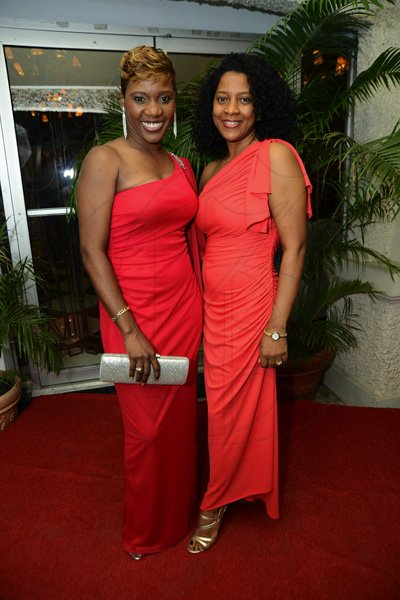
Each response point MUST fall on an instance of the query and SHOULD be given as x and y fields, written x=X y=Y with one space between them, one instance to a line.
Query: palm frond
x=334 y=330
x=339 y=289
x=384 y=72
x=375 y=171
x=327 y=25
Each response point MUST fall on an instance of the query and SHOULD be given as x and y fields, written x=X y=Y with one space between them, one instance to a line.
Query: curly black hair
x=274 y=104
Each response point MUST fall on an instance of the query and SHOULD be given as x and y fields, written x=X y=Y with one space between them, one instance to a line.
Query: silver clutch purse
x=114 y=368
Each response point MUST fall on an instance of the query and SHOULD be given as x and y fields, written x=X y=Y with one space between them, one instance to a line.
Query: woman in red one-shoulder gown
x=136 y=208
x=255 y=196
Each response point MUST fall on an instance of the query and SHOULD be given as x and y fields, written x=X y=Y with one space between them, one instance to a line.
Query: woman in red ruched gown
x=255 y=196
x=136 y=205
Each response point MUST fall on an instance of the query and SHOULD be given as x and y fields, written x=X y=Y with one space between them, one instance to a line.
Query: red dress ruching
x=240 y=283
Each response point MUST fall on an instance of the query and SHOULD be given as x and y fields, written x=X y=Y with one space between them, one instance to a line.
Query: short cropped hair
x=145 y=62
x=273 y=102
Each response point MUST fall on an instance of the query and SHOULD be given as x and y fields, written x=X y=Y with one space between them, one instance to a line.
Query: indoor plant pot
x=10 y=394
x=299 y=378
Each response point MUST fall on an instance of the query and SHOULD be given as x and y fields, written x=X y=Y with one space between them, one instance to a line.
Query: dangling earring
x=124 y=128
x=175 y=125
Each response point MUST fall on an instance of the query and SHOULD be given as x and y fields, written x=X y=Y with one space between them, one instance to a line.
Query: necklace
x=229 y=158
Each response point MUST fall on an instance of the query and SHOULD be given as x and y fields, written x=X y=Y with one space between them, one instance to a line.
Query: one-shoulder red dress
x=149 y=251
x=240 y=283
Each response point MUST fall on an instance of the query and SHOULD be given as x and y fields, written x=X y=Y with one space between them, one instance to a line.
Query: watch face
x=275 y=336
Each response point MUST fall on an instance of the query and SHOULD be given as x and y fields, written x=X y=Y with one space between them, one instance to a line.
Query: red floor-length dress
x=149 y=251
x=239 y=288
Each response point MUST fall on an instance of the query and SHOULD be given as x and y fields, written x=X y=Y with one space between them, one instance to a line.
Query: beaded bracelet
x=119 y=314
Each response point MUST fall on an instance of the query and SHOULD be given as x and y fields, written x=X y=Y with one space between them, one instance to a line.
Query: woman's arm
x=288 y=208
x=96 y=191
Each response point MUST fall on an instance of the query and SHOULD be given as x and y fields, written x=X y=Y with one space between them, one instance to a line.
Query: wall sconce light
x=342 y=65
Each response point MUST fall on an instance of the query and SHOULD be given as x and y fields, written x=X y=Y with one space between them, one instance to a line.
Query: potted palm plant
x=24 y=329
x=354 y=184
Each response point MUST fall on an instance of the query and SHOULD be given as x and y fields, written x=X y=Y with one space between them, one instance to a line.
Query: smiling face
x=149 y=108
x=233 y=109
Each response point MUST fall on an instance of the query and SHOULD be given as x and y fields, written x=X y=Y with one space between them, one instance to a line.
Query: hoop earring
x=124 y=127
x=175 y=125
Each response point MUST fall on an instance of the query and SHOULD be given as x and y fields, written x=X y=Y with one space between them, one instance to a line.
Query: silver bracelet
x=119 y=314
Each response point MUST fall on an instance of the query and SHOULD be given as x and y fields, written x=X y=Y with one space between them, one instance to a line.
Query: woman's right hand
x=141 y=357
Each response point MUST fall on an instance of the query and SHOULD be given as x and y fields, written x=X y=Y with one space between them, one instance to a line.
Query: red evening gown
x=239 y=288
x=148 y=248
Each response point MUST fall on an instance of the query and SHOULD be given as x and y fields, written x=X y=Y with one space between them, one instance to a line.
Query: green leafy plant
x=24 y=327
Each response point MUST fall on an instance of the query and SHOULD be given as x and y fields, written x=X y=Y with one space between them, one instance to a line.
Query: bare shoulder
x=283 y=160
x=210 y=170
x=100 y=167
x=101 y=155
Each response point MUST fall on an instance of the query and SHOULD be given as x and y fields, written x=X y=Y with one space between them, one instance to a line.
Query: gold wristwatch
x=275 y=335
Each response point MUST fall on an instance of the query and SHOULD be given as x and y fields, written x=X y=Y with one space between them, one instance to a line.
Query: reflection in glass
x=68 y=297
x=49 y=146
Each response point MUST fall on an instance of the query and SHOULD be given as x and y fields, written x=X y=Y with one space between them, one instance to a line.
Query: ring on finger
x=278 y=364
x=139 y=369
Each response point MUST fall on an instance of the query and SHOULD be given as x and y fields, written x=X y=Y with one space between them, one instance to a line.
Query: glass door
x=59 y=97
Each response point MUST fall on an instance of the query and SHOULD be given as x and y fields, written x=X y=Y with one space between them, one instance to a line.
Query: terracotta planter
x=9 y=404
x=300 y=378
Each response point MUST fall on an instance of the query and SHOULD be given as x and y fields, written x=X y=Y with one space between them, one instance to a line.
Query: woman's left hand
x=272 y=353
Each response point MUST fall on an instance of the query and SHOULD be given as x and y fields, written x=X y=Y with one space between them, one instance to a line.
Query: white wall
x=139 y=13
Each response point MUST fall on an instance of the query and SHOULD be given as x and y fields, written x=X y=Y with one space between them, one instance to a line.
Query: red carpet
x=338 y=538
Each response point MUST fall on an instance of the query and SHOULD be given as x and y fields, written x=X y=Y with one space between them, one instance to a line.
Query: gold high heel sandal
x=206 y=533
